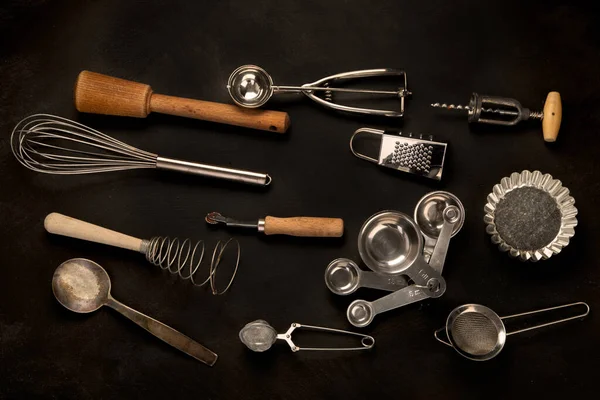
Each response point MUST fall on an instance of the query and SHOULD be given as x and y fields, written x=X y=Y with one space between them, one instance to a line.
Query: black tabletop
x=511 y=48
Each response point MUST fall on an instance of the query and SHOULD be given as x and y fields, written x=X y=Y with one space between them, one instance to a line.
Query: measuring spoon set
x=406 y=257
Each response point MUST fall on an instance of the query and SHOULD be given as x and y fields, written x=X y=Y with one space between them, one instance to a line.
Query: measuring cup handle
x=165 y=333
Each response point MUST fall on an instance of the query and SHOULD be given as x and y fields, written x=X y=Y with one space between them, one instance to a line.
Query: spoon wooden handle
x=66 y=226
x=304 y=226
x=165 y=333
x=102 y=94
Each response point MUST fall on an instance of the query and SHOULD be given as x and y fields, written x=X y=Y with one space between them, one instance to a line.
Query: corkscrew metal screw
x=508 y=112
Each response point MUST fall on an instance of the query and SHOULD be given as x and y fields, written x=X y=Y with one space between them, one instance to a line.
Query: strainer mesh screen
x=258 y=337
x=474 y=333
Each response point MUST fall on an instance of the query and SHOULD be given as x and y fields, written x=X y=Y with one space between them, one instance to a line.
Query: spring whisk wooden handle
x=59 y=224
x=102 y=94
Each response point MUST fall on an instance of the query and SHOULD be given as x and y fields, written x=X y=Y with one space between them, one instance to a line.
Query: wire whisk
x=55 y=145
x=180 y=258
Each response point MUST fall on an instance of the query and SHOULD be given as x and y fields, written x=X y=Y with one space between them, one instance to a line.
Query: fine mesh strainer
x=259 y=336
x=478 y=333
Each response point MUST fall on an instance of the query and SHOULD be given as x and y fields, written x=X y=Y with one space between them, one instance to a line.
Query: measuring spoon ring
x=343 y=277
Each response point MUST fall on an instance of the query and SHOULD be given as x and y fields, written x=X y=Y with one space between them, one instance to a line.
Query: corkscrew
x=505 y=111
x=178 y=257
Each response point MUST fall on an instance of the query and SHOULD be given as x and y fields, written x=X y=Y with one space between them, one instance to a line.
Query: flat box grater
x=418 y=156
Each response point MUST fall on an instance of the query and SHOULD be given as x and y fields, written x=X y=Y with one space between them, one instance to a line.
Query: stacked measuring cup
x=405 y=255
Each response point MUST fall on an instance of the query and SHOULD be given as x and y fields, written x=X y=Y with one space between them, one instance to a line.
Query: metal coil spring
x=182 y=259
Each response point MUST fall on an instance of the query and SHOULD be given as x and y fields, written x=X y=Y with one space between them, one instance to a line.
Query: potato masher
x=251 y=86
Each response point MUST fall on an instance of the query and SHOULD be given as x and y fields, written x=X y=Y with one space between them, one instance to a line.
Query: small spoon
x=83 y=286
x=343 y=277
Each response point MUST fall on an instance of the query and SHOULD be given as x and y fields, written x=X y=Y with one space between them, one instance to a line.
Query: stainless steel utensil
x=505 y=111
x=293 y=226
x=343 y=277
x=55 y=145
x=429 y=216
x=177 y=257
x=419 y=156
x=259 y=336
x=478 y=333
x=386 y=244
x=530 y=215
x=83 y=286
x=391 y=243
x=251 y=86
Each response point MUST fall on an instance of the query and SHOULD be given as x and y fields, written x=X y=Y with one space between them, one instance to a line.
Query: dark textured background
x=188 y=48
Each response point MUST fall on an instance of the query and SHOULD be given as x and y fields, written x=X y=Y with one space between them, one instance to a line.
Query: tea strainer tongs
x=259 y=336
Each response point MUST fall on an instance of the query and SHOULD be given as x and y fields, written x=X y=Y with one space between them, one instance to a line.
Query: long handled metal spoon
x=83 y=286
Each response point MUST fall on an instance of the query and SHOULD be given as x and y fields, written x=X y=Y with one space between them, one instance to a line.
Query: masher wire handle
x=367 y=341
x=587 y=311
x=165 y=333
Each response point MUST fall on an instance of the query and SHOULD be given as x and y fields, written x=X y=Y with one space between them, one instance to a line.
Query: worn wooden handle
x=66 y=226
x=304 y=226
x=102 y=94
x=552 y=116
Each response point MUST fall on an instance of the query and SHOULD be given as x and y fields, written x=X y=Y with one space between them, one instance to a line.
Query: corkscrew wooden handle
x=552 y=116
x=102 y=94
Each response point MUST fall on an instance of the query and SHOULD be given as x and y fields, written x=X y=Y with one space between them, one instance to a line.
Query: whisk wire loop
x=36 y=143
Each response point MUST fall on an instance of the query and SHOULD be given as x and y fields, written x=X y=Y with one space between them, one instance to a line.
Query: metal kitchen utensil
x=259 y=336
x=419 y=156
x=530 y=215
x=504 y=111
x=293 y=226
x=478 y=333
x=251 y=86
x=391 y=243
x=429 y=216
x=83 y=286
x=343 y=277
x=55 y=145
x=177 y=257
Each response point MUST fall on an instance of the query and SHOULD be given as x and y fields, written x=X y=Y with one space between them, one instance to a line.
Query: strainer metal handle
x=579 y=303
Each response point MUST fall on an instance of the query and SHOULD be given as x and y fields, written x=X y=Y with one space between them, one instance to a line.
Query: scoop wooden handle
x=101 y=94
x=66 y=226
x=304 y=226
x=552 y=116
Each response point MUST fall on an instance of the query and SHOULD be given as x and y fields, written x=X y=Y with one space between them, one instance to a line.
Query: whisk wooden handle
x=304 y=226
x=101 y=94
x=552 y=116
x=66 y=226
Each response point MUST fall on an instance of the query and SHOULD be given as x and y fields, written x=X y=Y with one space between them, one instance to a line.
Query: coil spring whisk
x=183 y=259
